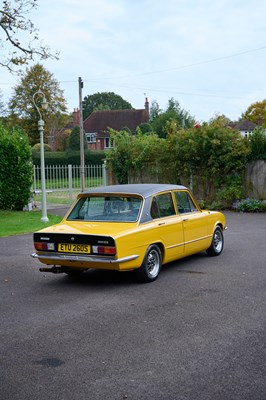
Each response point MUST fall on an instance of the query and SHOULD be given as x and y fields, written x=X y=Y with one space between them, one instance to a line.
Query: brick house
x=97 y=124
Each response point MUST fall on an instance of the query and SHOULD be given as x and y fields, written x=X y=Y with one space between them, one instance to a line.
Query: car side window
x=184 y=203
x=162 y=206
x=154 y=209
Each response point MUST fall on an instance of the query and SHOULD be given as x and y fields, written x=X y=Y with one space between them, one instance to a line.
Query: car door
x=194 y=223
x=168 y=225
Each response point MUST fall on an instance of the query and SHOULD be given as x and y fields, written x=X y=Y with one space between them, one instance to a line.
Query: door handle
x=185 y=219
x=161 y=223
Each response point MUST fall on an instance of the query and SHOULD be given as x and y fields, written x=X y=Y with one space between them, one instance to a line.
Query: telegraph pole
x=82 y=162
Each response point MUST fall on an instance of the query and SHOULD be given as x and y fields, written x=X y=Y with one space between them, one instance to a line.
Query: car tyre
x=151 y=265
x=217 y=244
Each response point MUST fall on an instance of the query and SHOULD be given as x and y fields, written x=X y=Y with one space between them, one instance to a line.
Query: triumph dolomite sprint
x=129 y=227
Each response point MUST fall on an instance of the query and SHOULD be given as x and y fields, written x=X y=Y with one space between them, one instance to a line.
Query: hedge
x=15 y=169
x=65 y=158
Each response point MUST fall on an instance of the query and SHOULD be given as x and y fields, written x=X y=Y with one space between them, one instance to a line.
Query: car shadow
x=188 y=265
x=96 y=278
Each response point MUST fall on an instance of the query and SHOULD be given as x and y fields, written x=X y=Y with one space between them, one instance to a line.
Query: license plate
x=73 y=248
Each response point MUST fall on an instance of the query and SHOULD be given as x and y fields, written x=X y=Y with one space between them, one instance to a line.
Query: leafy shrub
x=232 y=190
x=215 y=205
x=145 y=127
x=257 y=141
x=249 y=205
x=15 y=169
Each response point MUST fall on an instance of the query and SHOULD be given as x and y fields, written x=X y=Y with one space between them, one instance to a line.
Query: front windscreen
x=107 y=208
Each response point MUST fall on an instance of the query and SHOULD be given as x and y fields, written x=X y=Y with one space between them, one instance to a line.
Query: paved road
x=197 y=333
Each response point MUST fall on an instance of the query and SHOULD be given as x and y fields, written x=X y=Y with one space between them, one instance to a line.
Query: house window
x=91 y=137
x=108 y=143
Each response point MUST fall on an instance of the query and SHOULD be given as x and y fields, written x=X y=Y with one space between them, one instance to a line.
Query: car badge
x=72 y=239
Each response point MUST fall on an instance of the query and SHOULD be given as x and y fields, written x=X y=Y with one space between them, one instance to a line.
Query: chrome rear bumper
x=83 y=258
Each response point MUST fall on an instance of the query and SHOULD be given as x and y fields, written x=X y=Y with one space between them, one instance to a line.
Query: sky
x=209 y=55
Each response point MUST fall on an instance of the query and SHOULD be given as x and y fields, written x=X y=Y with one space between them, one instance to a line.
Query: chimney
x=75 y=117
x=147 y=109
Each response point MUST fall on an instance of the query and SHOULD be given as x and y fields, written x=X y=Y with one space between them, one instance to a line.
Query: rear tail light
x=107 y=250
x=44 y=246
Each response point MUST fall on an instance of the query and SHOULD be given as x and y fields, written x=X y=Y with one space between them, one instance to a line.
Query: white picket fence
x=67 y=178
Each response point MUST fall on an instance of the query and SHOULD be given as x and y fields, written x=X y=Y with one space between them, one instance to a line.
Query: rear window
x=107 y=208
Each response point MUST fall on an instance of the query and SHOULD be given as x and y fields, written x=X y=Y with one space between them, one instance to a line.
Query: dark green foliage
x=135 y=156
x=74 y=139
x=257 y=142
x=208 y=154
x=120 y=156
x=145 y=127
x=160 y=121
x=70 y=157
x=15 y=169
x=232 y=190
x=249 y=205
x=104 y=101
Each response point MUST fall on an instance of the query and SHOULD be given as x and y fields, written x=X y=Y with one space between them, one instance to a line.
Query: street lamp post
x=44 y=217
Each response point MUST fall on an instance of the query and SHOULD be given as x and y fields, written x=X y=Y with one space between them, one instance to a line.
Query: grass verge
x=19 y=222
x=58 y=197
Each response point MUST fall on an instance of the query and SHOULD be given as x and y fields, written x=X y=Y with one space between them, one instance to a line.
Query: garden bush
x=249 y=205
x=15 y=169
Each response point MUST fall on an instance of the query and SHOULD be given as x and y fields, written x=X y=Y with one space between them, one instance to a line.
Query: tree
x=23 y=111
x=74 y=140
x=256 y=113
x=161 y=120
x=15 y=169
x=104 y=101
x=145 y=128
x=220 y=120
x=19 y=36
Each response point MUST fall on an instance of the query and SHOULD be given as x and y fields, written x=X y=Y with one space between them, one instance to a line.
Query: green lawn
x=19 y=222
x=58 y=197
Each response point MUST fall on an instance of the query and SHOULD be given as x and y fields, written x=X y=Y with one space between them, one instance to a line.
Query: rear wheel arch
x=220 y=225
x=162 y=249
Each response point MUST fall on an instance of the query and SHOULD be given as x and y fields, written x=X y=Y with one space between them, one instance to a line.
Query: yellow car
x=129 y=227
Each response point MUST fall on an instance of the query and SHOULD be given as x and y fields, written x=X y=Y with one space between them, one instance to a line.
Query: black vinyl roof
x=143 y=189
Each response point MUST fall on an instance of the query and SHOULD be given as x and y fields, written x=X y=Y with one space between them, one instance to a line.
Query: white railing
x=67 y=177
